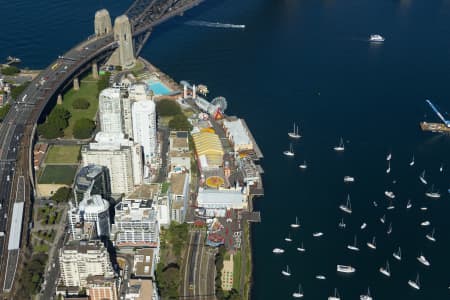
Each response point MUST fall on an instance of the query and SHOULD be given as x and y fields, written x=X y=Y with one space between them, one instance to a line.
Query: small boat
x=317 y=234
x=423 y=260
x=372 y=244
x=299 y=293
x=409 y=204
x=425 y=223
x=342 y=224
x=422 y=177
x=424 y=208
x=375 y=203
x=363 y=225
x=347 y=207
x=288 y=238
x=386 y=270
x=340 y=147
x=388 y=170
x=303 y=166
x=335 y=296
x=441 y=168
x=345 y=269
x=389 y=156
x=383 y=219
x=353 y=247
x=320 y=277
x=433 y=194
x=286 y=272
x=301 y=248
x=366 y=296
x=389 y=231
x=278 y=251
x=349 y=179
x=389 y=194
x=412 y=162
x=398 y=255
x=415 y=283
x=390 y=206
x=289 y=152
x=431 y=237
x=294 y=134
x=296 y=224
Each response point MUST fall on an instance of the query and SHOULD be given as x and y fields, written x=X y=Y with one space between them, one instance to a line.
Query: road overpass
x=18 y=129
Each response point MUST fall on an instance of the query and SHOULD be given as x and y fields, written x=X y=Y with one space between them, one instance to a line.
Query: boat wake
x=214 y=24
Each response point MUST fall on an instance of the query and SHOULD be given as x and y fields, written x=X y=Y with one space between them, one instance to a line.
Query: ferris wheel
x=220 y=102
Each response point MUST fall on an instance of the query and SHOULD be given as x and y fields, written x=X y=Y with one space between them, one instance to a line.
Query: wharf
x=434 y=127
x=257 y=150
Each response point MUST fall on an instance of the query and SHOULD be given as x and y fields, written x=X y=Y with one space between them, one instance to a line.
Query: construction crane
x=446 y=122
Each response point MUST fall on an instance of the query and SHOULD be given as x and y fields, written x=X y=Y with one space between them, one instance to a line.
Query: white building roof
x=94 y=205
x=237 y=131
x=109 y=141
x=220 y=198
x=16 y=226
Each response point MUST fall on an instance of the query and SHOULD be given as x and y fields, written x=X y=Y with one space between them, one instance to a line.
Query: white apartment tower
x=144 y=127
x=110 y=111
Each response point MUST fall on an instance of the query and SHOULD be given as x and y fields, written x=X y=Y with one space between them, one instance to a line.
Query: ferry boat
x=389 y=194
x=286 y=272
x=423 y=260
x=317 y=234
x=320 y=277
x=366 y=296
x=415 y=283
x=301 y=248
x=289 y=152
x=303 y=165
x=335 y=296
x=349 y=179
x=347 y=207
x=376 y=38
x=296 y=224
x=431 y=237
x=294 y=134
x=278 y=251
x=372 y=244
x=340 y=147
x=386 y=271
x=345 y=269
x=353 y=247
x=398 y=255
x=299 y=293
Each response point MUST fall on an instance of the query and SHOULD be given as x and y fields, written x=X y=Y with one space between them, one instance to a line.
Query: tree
x=83 y=128
x=49 y=132
x=4 y=111
x=80 y=103
x=55 y=123
x=62 y=194
x=167 y=108
x=180 y=122
x=17 y=90
x=10 y=70
x=103 y=82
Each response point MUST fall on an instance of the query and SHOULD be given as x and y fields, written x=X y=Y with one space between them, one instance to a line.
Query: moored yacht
x=342 y=224
x=386 y=270
x=372 y=244
x=375 y=203
x=389 y=194
x=422 y=177
x=340 y=147
x=389 y=231
x=294 y=134
x=433 y=194
x=320 y=277
x=412 y=162
x=335 y=296
x=317 y=234
x=349 y=179
x=431 y=237
x=347 y=207
x=383 y=219
x=345 y=269
x=425 y=223
x=423 y=260
x=288 y=238
x=415 y=283
x=299 y=293
x=296 y=224
x=366 y=296
x=388 y=170
x=303 y=166
x=278 y=251
x=363 y=225
x=289 y=152
x=409 y=204
x=441 y=168
x=286 y=272
x=301 y=248
x=424 y=208
x=390 y=206
x=353 y=247
x=398 y=255
x=389 y=156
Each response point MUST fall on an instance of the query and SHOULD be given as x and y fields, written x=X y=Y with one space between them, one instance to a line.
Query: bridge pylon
x=102 y=23
x=124 y=54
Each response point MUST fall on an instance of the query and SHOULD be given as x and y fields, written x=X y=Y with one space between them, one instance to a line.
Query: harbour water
x=309 y=61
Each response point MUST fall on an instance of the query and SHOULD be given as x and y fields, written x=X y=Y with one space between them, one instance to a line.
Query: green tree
x=17 y=90
x=62 y=194
x=55 y=123
x=4 y=111
x=167 y=107
x=80 y=103
x=103 y=82
x=180 y=122
x=83 y=128
x=49 y=132
x=10 y=70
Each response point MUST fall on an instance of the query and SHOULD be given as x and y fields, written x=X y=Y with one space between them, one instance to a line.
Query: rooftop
x=144 y=191
x=141 y=287
x=177 y=183
x=208 y=145
x=143 y=263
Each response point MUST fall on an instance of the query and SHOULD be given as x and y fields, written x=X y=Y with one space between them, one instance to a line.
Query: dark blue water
x=309 y=61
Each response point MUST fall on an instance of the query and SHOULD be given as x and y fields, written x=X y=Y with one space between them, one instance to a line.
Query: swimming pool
x=158 y=88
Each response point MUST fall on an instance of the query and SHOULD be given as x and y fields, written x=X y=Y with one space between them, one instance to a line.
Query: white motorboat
x=303 y=166
x=398 y=255
x=288 y=238
x=299 y=293
x=433 y=194
x=317 y=234
x=289 y=152
x=376 y=38
x=431 y=237
x=347 y=207
x=366 y=296
x=363 y=225
x=342 y=224
x=415 y=283
x=423 y=260
x=412 y=162
x=383 y=219
x=301 y=248
x=294 y=134
x=335 y=296
x=349 y=179
x=389 y=156
x=320 y=277
x=389 y=231
x=296 y=224
x=345 y=269
x=422 y=177
x=386 y=270
x=389 y=194
x=286 y=272
x=424 y=208
x=340 y=147
x=388 y=170
x=353 y=247
x=278 y=251
x=409 y=204
x=372 y=244
x=441 y=168
x=375 y=203
x=425 y=223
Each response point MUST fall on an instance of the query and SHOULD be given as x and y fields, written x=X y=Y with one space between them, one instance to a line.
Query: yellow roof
x=209 y=145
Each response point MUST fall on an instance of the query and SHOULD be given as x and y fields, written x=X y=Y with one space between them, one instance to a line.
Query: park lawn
x=237 y=265
x=63 y=154
x=58 y=174
x=41 y=248
x=88 y=90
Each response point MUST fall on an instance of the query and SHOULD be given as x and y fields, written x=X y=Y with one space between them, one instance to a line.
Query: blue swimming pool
x=158 y=88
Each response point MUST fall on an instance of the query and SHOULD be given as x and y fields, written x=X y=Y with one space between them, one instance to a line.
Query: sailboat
x=366 y=296
x=296 y=224
x=422 y=177
x=390 y=206
x=389 y=156
x=415 y=284
x=386 y=271
x=288 y=238
x=347 y=207
x=423 y=260
x=286 y=272
x=389 y=194
x=441 y=168
x=425 y=223
x=299 y=293
x=433 y=194
x=424 y=208
x=372 y=244
x=301 y=248
x=303 y=165
x=353 y=247
x=340 y=147
x=317 y=234
x=349 y=179
x=335 y=296
x=431 y=237
x=388 y=170
x=375 y=203
x=294 y=134
x=383 y=219
x=342 y=224
x=412 y=162
x=409 y=204
x=289 y=152
x=389 y=231
x=398 y=255
x=278 y=251
x=363 y=226
x=320 y=277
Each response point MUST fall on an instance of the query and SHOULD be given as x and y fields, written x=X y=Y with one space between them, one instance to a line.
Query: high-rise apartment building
x=144 y=127
x=110 y=111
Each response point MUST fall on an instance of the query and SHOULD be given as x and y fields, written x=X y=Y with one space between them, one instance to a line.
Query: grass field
x=63 y=154
x=88 y=91
x=237 y=259
x=58 y=174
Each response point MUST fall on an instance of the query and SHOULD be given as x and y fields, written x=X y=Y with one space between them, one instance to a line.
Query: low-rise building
x=179 y=196
x=238 y=135
x=141 y=289
x=235 y=198
x=100 y=288
x=209 y=150
x=144 y=263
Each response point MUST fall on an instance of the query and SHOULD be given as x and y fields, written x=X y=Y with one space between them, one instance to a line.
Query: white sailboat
x=390 y=206
x=441 y=168
x=412 y=162
x=301 y=248
x=431 y=237
x=423 y=260
x=422 y=177
x=340 y=147
x=389 y=156
x=286 y=272
x=299 y=293
x=375 y=203
x=347 y=207
x=388 y=170
x=415 y=283
x=409 y=204
x=335 y=296
x=383 y=219
x=278 y=251
x=317 y=234
x=398 y=255
x=345 y=269
x=389 y=231
x=353 y=247
x=289 y=152
x=363 y=226
x=366 y=296
x=342 y=224
x=303 y=166
x=372 y=244
x=433 y=193
x=288 y=238
x=424 y=208
x=296 y=224
x=294 y=134
x=349 y=179
x=320 y=277
x=425 y=223
x=386 y=270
